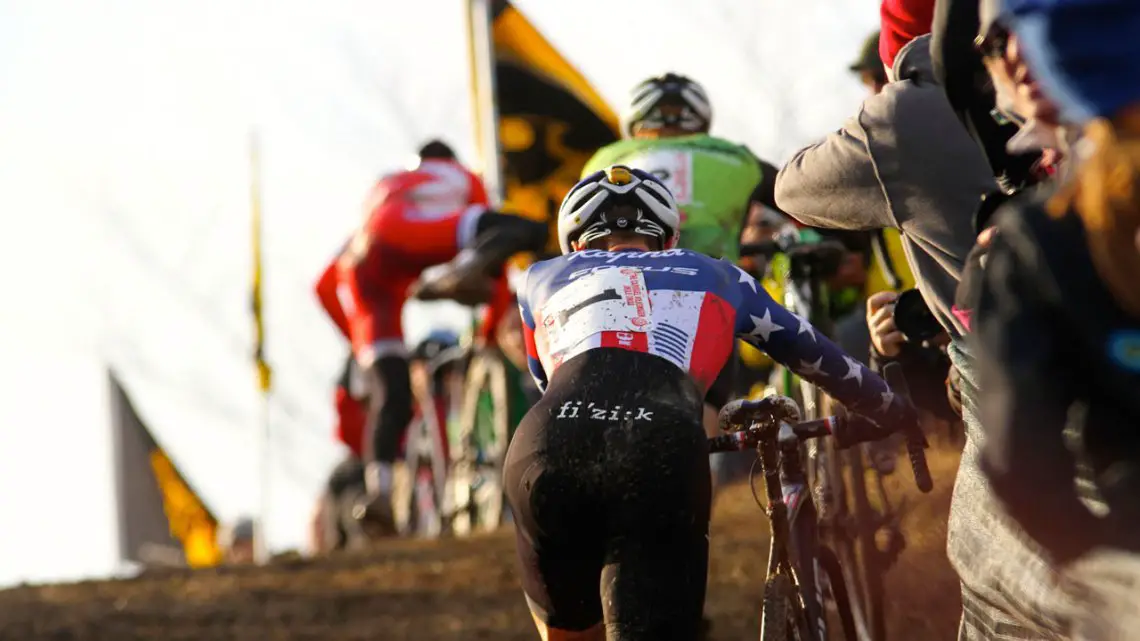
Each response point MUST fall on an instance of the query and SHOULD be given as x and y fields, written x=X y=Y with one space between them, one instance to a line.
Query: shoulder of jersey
x=609 y=155
x=730 y=145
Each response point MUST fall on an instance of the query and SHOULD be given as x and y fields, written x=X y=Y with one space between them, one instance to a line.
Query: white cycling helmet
x=585 y=214
x=648 y=97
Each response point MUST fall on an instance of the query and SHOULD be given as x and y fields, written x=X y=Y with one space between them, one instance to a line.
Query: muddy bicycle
x=800 y=563
x=856 y=516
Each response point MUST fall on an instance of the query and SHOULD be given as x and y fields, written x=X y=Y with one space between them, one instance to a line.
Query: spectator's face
x=759 y=226
x=1030 y=96
x=1017 y=90
x=874 y=82
x=852 y=272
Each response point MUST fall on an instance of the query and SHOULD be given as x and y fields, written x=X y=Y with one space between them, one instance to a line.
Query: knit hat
x=1085 y=53
x=868 y=59
x=903 y=21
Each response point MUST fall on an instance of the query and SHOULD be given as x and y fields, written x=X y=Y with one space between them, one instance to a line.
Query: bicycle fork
x=794 y=543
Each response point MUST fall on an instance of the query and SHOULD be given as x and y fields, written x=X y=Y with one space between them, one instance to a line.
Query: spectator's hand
x=885 y=336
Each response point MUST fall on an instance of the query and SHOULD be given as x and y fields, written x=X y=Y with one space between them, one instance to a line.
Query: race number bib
x=673 y=167
x=607 y=300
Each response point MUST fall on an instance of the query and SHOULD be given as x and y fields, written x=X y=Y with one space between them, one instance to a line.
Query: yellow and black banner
x=162 y=521
x=264 y=373
x=551 y=121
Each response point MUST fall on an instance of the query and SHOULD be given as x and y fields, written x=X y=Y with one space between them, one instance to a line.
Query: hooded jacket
x=904 y=161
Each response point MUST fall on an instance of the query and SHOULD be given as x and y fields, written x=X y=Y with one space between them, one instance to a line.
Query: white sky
x=124 y=203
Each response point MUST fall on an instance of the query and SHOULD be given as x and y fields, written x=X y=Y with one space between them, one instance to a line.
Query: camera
x=914 y=319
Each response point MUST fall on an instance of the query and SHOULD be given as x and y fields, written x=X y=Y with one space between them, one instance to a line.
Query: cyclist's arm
x=532 y=360
x=796 y=344
x=326 y=293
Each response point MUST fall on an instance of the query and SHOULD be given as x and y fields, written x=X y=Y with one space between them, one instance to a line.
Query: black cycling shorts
x=390 y=407
x=608 y=477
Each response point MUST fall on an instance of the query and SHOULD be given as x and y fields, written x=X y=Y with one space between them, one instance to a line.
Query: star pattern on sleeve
x=854 y=370
x=806 y=328
x=764 y=327
x=746 y=278
x=811 y=369
x=792 y=341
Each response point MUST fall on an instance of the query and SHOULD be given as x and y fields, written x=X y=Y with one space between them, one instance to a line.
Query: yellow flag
x=550 y=120
x=161 y=518
x=190 y=520
x=264 y=373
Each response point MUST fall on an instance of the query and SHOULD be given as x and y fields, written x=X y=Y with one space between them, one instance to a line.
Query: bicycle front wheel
x=777 y=620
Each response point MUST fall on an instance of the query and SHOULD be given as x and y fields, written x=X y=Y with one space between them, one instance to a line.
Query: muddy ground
x=458 y=589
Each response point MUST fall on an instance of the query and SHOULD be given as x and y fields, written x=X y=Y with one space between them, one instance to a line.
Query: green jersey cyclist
x=666 y=125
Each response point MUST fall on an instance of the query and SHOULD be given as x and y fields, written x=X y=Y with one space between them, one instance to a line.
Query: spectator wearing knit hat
x=902 y=22
x=1059 y=324
x=905 y=161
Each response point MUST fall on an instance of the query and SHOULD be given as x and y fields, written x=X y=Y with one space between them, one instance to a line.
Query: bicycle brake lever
x=915 y=440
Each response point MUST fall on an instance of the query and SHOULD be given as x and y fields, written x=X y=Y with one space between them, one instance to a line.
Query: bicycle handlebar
x=750 y=422
x=778 y=417
x=793 y=248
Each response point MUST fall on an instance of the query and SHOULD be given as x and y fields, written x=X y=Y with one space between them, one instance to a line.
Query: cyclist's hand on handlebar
x=860 y=429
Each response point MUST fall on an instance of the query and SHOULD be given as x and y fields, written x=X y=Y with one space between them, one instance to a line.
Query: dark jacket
x=903 y=161
x=1056 y=352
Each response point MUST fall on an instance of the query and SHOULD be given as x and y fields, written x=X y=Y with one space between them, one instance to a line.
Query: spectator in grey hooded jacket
x=906 y=161
x=903 y=161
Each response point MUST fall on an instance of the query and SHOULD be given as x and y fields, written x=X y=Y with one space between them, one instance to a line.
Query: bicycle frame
x=806 y=294
x=794 y=546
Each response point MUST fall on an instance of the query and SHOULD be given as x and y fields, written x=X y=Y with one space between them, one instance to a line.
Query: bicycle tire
x=490 y=501
x=869 y=568
x=403 y=482
x=776 y=623
x=477 y=499
x=461 y=516
x=837 y=578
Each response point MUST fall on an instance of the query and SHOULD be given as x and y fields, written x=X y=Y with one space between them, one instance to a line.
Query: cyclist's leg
x=560 y=522
x=390 y=412
x=657 y=557
x=486 y=243
x=378 y=344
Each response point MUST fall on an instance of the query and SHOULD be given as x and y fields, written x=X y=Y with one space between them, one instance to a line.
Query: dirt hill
x=455 y=589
